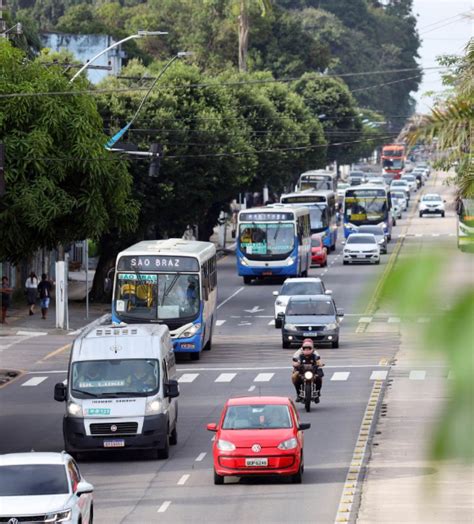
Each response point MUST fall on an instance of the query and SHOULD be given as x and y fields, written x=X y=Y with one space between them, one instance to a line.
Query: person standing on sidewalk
x=6 y=296
x=44 y=290
x=31 y=286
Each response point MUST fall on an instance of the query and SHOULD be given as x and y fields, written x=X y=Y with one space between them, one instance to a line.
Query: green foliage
x=60 y=183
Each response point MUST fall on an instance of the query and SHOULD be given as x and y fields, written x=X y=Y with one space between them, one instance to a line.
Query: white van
x=120 y=390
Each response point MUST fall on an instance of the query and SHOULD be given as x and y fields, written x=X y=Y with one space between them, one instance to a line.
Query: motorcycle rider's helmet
x=307 y=343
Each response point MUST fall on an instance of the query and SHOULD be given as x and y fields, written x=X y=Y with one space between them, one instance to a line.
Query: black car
x=315 y=317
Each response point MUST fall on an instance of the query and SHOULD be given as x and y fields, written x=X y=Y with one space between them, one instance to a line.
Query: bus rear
x=318 y=179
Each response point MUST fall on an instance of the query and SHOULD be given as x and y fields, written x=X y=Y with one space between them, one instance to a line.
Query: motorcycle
x=308 y=391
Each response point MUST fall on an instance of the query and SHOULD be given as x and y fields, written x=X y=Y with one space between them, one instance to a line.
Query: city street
x=246 y=359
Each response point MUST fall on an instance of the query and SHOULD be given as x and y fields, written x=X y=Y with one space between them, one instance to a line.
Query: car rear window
x=302 y=288
x=257 y=416
x=33 y=479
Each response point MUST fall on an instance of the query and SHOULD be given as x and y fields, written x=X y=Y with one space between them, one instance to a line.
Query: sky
x=443 y=31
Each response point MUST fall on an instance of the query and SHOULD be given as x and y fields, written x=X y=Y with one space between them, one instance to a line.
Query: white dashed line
x=378 y=375
x=251 y=388
x=225 y=377
x=272 y=322
x=188 y=377
x=417 y=375
x=31 y=333
x=435 y=234
x=365 y=320
x=340 y=375
x=219 y=322
x=34 y=381
x=394 y=320
x=263 y=377
x=200 y=457
x=228 y=298
x=182 y=480
x=164 y=506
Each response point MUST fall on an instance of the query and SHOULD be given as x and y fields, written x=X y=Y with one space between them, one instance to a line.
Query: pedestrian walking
x=44 y=290
x=31 y=286
x=6 y=297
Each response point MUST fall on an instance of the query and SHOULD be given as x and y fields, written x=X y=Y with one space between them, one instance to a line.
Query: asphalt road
x=130 y=488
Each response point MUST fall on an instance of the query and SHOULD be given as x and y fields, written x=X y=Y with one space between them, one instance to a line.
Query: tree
x=61 y=184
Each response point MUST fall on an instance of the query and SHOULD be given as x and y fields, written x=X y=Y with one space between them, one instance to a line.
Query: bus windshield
x=267 y=239
x=393 y=163
x=319 y=218
x=320 y=183
x=365 y=209
x=157 y=296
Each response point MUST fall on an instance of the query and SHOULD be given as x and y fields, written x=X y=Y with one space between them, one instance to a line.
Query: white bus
x=318 y=179
x=172 y=282
x=273 y=241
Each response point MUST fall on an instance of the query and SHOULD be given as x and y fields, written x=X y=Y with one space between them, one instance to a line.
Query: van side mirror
x=212 y=427
x=83 y=488
x=171 y=389
x=60 y=392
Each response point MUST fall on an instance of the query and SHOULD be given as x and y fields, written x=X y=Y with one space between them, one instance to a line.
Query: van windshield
x=115 y=378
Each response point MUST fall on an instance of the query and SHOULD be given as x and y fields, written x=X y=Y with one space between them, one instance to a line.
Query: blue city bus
x=322 y=213
x=273 y=242
x=318 y=179
x=172 y=282
x=367 y=205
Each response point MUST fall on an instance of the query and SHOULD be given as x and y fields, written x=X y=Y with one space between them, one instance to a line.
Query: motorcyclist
x=307 y=355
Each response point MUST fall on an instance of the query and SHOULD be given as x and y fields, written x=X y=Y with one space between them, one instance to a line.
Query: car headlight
x=191 y=331
x=332 y=325
x=75 y=410
x=290 y=327
x=290 y=261
x=153 y=407
x=291 y=443
x=308 y=375
x=225 y=445
x=60 y=516
x=384 y=225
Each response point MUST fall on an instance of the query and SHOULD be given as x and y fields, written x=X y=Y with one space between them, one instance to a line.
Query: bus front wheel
x=247 y=280
x=195 y=355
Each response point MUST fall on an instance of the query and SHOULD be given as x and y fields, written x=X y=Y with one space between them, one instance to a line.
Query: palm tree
x=265 y=6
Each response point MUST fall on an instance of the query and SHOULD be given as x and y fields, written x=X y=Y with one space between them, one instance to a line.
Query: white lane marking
x=47 y=372
x=272 y=322
x=435 y=234
x=251 y=388
x=394 y=320
x=365 y=320
x=164 y=506
x=263 y=377
x=188 y=377
x=74 y=333
x=182 y=480
x=417 y=375
x=255 y=309
x=402 y=235
x=200 y=457
x=340 y=375
x=31 y=333
x=34 y=381
x=228 y=298
x=276 y=368
x=418 y=235
x=244 y=323
x=379 y=375
x=219 y=322
x=225 y=377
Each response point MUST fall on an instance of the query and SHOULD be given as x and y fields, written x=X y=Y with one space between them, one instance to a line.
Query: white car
x=400 y=198
x=401 y=185
x=411 y=181
x=431 y=204
x=341 y=188
x=296 y=286
x=361 y=247
x=43 y=487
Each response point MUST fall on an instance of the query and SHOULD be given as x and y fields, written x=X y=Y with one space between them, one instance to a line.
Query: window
x=258 y=416
x=33 y=479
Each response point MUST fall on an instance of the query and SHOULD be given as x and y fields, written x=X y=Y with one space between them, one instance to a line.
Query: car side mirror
x=107 y=285
x=275 y=293
x=343 y=242
x=60 y=392
x=171 y=389
x=304 y=425
x=84 y=488
x=212 y=427
x=328 y=292
x=340 y=312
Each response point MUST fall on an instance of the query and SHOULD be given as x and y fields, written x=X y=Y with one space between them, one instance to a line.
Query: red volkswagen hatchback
x=319 y=254
x=258 y=436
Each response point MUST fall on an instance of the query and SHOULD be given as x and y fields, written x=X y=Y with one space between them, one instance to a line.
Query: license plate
x=266 y=273
x=256 y=462
x=114 y=443
x=360 y=256
x=187 y=346
x=309 y=334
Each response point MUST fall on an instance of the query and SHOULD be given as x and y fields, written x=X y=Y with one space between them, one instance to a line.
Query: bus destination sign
x=157 y=263
x=303 y=199
x=265 y=217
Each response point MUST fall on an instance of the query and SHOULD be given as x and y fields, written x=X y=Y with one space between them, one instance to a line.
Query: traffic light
x=2 y=169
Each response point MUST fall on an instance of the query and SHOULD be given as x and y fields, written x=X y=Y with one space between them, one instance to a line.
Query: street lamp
x=17 y=29
x=119 y=135
x=139 y=34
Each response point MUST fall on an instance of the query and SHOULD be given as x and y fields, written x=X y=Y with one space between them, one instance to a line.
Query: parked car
x=258 y=436
x=319 y=253
x=43 y=487
x=296 y=286
x=361 y=248
x=379 y=235
x=431 y=204
x=315 y=317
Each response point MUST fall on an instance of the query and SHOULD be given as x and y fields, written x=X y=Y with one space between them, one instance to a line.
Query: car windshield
x=431 y=198
x=371 y=229
x=360 y=239
x=258 y=416
x=316 y=242
x=310 y=307
x=115 y=378
x=398 y=194
x=302 y=288
x=399 y=183
x=409 y=178
x=264 y=239
x=157 y=296
x=33 y=479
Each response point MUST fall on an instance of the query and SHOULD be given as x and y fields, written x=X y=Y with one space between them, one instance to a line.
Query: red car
x=258 y=436
x=319 y=254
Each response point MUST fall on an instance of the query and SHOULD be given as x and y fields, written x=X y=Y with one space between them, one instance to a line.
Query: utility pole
x=3 y=24
x=2 y=167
